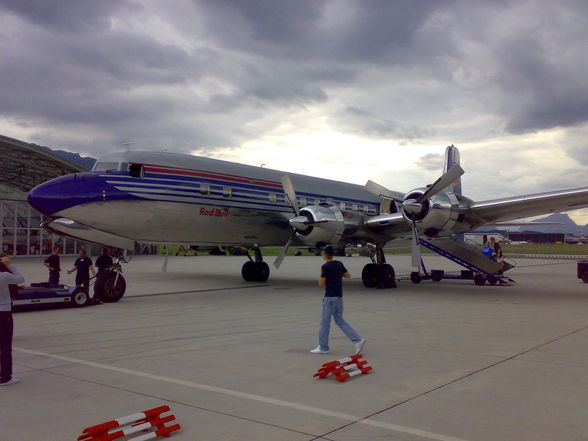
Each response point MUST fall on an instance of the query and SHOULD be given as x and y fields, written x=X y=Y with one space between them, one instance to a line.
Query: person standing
x=83 y=265
x=332 y=274
x=104 y=261
x=52 y=263
x=10 y=277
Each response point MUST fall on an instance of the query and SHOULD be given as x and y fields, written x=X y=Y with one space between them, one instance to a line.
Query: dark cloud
x=431 y=161
x=219 y=73
x=71 y=16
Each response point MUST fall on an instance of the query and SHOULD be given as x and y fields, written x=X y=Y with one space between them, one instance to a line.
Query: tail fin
x=452 y=158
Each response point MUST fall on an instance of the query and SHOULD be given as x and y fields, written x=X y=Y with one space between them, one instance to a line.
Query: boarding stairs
x=479 y=267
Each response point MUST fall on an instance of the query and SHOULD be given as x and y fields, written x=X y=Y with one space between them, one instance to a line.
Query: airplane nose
x=64 y=192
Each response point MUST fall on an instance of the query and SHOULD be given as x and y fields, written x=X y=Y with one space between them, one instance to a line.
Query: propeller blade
x=444 y=181
x=416 y=249
x=164 y=266
x=290 y=193
x=283 y=252
x=383 y=192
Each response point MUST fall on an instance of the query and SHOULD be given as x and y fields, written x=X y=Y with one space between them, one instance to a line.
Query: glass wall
x=22 y=235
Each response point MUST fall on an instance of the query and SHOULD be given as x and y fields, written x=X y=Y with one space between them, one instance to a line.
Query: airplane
x=148 y=197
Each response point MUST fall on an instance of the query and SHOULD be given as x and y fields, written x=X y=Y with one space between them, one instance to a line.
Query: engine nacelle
x=324 y=224
x=436 y=214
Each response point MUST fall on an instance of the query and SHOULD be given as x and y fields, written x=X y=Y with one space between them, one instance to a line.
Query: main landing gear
x=255 y=270
x=378 y=274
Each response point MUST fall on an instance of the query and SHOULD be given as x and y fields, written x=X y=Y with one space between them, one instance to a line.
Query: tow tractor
x=43 y=294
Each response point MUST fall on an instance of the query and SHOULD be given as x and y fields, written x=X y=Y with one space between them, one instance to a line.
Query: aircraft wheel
x=79 y=298
x=437 y=275
x=368 y=276
x=106 y=289
x=479 y=279
x=415 y=277
x=248 y=271
x=492 y=280
x=386 y=276
x=262 y=271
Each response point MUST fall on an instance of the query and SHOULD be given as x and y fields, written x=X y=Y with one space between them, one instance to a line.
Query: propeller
x=291 y=195
x=444 y=181
x=299 y=222
x=412 y=207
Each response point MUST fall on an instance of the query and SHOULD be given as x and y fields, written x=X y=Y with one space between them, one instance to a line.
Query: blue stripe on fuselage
x=82 y=188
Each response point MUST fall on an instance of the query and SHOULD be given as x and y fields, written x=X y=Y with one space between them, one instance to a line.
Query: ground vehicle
x=42 y=294
x=583 y=271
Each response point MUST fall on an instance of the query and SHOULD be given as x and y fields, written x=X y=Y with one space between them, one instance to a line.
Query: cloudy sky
x=343 y=89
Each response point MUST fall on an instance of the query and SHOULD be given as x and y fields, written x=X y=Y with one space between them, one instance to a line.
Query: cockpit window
x=136 y=170
x=103 y=166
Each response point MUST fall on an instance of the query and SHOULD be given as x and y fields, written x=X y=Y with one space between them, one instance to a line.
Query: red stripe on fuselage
x=211 y=175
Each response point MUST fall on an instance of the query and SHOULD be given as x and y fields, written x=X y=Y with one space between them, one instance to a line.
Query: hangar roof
x=24 y=166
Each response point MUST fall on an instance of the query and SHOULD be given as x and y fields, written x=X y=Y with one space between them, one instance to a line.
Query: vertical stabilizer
x=451 y=159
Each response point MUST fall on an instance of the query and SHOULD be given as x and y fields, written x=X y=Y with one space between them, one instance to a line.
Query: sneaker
x=95 y=302
x=318 y=350
x=13 y=380
x=359 y=345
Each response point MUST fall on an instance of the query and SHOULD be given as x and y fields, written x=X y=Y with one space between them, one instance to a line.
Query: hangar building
x=22 y=167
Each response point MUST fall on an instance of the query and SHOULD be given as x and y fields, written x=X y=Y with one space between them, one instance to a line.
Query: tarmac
x=451 y=361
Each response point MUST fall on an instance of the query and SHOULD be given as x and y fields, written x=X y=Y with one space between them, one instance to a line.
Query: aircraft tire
x=492 y=280
x=386 y=276
x=248 y=271
x=415 y=277
x=262 y=271
x=79 y=298
x=368 y=276
x=105 y=288
x=479 y=279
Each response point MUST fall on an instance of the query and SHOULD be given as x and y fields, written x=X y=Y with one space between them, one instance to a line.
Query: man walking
x=332 y=273
x=9 y=275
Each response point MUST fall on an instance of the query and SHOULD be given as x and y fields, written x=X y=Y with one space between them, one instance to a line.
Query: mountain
x=84 y=161
x=567 y=225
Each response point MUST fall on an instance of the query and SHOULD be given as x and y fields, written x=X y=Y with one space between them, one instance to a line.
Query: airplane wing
x=519 y=207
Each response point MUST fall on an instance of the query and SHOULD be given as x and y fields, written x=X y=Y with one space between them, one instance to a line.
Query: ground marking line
x=248 y=396
x=131 y=296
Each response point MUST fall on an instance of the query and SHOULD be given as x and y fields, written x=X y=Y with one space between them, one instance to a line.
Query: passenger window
x=137 y=170
x=205 y=189
x=227 y=192
x=273 y=197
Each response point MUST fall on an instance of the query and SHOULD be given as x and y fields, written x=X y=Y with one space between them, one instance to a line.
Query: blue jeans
x=333 y=307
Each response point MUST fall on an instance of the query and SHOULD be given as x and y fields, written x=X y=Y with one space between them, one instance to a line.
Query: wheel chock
x=150 y=422
x=344 y=368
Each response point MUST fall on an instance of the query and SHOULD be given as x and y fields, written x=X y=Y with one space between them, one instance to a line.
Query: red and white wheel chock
x=344 y=368
x=149 y=421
